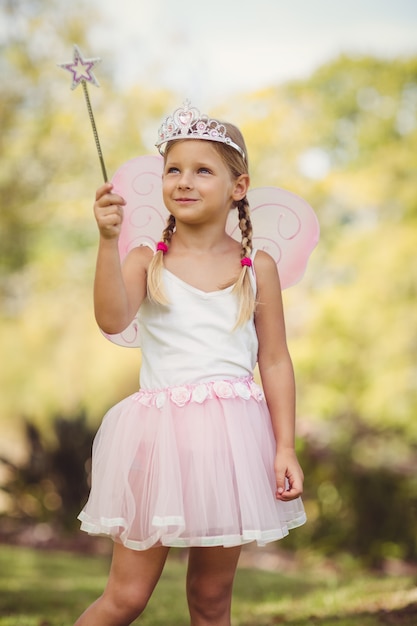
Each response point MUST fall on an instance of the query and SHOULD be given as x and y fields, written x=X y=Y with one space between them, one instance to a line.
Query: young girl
x=200 y=457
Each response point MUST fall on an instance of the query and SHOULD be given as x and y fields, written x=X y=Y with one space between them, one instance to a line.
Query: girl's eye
x=204 y=170
x=172 y=170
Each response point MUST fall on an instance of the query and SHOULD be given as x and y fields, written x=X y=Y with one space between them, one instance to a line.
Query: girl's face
x=197 y=186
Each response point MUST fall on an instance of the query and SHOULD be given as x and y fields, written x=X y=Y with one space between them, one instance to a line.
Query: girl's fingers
x=106 y=188
x=110 y=217
x=289 y=482
x=110 y=200
x=293 y=491
x=108 y=211
x=105 y=197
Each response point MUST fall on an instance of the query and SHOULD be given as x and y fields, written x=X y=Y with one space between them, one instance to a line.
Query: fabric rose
x=242 y=390
x=180 y=395
x=160 y=399
x=199 y=394
x=145 y=399
x=223 y=389
x=256 y=391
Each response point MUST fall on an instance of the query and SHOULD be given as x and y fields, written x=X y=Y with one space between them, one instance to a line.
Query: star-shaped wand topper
x=81 y=69
x=82 y=73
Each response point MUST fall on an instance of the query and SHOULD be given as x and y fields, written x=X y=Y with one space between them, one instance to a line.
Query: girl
x=200 y=457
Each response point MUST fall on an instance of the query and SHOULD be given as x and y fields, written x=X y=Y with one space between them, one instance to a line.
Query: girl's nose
x=185 y=181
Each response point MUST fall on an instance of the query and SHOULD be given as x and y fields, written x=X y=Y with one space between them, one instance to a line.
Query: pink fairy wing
x=285 y=226
x=139 y=182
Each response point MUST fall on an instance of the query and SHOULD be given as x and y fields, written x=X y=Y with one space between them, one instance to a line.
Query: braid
x=168 y=230
x=245 y=225
x=154 y=283
x=243 y=287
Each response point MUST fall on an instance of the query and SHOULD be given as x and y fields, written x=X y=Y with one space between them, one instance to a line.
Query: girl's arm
x=277 y=375
x=118 y=290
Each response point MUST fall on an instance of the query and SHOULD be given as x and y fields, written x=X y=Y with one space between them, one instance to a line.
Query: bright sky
x=209 y=50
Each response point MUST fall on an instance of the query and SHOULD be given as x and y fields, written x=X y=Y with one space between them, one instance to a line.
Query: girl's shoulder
x=264 y=263
x=141 y=255
x=266 y=272
x=136 y=264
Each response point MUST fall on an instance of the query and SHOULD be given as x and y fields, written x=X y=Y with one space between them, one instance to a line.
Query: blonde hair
x=236 y=165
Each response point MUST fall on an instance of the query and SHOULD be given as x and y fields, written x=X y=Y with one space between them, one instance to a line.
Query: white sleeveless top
x=193 y=339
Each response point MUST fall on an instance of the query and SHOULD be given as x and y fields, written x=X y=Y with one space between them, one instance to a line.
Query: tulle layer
x=190 y=466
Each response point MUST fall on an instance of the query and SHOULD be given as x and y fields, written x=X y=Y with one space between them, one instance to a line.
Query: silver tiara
x=188 y=123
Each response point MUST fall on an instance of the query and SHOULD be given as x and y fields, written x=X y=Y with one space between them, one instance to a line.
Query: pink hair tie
x=161 y=245
x=246 y=261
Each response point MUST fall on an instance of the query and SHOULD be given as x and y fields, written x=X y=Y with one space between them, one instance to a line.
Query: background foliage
x=345 y=139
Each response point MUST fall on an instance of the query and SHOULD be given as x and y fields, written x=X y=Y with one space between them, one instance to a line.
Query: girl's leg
x=210 y=577
x=132 y=579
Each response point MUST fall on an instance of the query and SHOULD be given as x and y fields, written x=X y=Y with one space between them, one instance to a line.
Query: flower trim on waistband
x=244 y=388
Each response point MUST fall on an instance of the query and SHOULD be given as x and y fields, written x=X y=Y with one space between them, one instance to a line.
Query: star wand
x=82 y=73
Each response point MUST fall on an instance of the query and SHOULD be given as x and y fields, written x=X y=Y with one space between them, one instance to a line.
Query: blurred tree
x=31 y=30
x=46 y=140
x=51 y=484
x=361 y=493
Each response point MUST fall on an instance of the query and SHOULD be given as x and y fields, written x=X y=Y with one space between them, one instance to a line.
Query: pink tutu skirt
x=188 y=466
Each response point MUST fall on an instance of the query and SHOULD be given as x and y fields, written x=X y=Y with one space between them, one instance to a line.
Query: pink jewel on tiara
x=188 y=123
x=246 y=261
x=162 y=246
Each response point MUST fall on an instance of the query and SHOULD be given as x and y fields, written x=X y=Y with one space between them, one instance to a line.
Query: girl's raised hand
x=108 y=211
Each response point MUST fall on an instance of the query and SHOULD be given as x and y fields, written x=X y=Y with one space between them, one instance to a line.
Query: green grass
x=52 y=588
